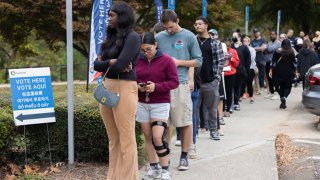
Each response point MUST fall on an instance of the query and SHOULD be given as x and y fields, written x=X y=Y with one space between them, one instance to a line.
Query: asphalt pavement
x=247 y=151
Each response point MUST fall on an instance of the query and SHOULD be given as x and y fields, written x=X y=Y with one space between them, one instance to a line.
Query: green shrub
x=6 y=130
x=90 y=137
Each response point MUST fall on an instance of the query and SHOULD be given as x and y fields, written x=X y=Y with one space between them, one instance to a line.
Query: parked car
x=311 y=93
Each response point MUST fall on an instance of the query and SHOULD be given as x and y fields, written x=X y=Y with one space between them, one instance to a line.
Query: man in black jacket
x=210 y=74
x=242 y=69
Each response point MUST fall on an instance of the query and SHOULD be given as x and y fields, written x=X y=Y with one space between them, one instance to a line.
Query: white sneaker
x=275 y=97
x=192 y=152
x=220 y=132
x=152 y=174
x=202 y=130
x=177 y=143
x=166 y=175
x=268 y=96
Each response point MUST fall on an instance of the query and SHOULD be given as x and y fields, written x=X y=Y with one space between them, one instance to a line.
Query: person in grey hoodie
x=272 y=46
x=306 y=58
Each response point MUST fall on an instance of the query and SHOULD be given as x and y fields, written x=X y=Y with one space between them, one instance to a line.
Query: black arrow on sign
x=22 y=117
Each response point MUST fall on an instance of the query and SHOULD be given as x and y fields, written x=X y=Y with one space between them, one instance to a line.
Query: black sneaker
x=183 y=165
x=283 y=103
x=214 y=135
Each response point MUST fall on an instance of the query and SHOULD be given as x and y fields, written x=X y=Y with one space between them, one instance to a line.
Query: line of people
x=173 y=78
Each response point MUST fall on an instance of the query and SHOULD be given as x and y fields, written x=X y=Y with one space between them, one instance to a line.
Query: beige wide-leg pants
x=120 y=125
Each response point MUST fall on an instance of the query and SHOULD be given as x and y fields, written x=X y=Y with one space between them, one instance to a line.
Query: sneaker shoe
x=177 y=143
x=275 y=97
x=166 y=175
x=153 y=173
x=214 y=135
x=251 y=101
x=222 y=122
x=220 y=132
x=183 y=165
x=268 y=96
x=192 y=152
x=231 y=111
x=283 y=103
x=236 y=107
x=226 y=114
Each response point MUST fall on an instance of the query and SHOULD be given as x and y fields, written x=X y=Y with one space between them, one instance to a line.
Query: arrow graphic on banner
x=22 y=117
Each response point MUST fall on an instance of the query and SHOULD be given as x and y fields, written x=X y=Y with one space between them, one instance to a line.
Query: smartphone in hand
x=142 y=84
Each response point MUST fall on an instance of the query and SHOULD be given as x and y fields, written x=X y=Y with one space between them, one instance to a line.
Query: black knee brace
x=164 y=142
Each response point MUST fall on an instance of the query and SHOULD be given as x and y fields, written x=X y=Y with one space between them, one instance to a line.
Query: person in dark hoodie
x=242 y=69
x=283 y=70
x=306 y=58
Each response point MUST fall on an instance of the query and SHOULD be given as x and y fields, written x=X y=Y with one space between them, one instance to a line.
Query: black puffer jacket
x=306 y=59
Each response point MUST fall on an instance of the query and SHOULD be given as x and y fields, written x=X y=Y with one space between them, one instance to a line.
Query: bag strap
x=105 y=77
x=279 y=59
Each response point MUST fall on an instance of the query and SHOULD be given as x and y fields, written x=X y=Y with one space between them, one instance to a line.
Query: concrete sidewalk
x=247 y=151
x=230 y=158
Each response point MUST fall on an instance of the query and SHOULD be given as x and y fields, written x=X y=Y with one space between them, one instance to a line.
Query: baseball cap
x=213 y=31
x=255 y=30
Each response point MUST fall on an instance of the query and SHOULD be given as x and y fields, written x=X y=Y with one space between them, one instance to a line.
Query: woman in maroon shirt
x=156 y=76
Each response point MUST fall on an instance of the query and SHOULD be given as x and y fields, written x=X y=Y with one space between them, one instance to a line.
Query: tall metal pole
x=70 y=82
x=278 y=23
x=247 y=18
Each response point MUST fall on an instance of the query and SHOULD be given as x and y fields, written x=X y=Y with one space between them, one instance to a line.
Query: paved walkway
x=247 y=151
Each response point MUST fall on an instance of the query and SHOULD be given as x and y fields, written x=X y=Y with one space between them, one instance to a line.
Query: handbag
x=104 y=96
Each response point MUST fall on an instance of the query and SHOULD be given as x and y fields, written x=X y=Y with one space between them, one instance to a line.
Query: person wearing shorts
x=156 y=76
x=182 y=46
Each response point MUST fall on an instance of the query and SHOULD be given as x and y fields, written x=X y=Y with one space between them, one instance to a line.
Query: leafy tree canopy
x=47 y=18
x=296 y=14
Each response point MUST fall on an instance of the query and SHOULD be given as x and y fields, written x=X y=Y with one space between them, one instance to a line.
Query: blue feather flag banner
x=159 y=9
x=99 y=24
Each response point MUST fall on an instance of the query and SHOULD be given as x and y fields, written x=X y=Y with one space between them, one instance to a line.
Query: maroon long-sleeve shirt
x=162 y=71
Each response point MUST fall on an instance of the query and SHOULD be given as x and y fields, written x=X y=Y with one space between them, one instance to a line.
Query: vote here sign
x=32 y=99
